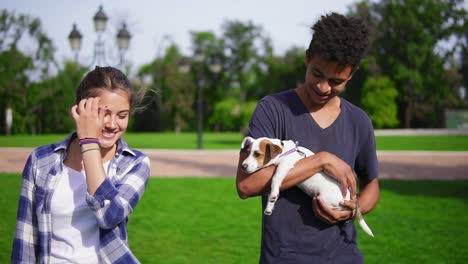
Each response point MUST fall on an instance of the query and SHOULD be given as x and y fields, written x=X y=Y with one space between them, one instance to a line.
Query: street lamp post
x=215 y=67
x=8 y=120
x=99 y=55
x=198 y=58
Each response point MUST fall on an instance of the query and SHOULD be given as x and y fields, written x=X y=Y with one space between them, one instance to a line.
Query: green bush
x=379 y=101
x=229 y=115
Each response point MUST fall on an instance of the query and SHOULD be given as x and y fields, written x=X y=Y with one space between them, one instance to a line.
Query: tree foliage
x=55 y=97
x=18 y=71
x=379 y=99
x=409 y=48
x=229 y=115
x=415 y=67
x=247 y=46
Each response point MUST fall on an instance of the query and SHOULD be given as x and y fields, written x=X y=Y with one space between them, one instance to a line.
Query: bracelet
x=85 y=141
x=85 y=138
x=86 y=150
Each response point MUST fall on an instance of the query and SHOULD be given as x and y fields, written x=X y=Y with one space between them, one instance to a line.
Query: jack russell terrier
x=284 y=154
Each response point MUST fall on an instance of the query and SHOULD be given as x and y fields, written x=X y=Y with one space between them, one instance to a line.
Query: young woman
x=76 y=195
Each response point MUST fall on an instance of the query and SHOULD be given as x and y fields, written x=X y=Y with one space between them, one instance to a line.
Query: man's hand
x=326 y=214
x=341 y=171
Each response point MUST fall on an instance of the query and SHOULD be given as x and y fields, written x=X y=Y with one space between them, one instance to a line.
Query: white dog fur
x=264 y=152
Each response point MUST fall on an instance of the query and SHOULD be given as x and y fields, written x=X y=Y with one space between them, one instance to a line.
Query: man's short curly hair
x=338 y=38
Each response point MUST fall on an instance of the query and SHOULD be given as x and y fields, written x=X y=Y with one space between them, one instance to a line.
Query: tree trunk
x=409 y=106
x=178 y=122
x=408 y=113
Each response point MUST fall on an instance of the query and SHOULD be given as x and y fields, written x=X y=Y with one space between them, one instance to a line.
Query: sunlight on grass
x=193 y=220
x=232 y=140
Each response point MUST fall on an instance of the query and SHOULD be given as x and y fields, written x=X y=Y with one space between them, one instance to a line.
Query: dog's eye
x=256 y=154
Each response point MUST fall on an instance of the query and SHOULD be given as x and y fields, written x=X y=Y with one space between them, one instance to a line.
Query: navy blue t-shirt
x=292 y=234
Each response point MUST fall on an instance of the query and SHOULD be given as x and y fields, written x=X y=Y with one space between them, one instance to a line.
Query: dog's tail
x=361 y=221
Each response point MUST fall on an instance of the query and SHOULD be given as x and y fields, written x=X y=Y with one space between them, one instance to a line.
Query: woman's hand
x=88 y=118
x=326 y=214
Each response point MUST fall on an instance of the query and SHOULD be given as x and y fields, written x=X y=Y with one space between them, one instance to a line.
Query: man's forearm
x=303 y=170
x=369 y=195
x=258 y=183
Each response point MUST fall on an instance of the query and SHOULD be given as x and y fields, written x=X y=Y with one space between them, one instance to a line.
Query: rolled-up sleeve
x=113 y=202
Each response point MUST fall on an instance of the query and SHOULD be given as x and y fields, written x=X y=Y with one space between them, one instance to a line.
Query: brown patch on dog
x=246 y=144
x=267 y=151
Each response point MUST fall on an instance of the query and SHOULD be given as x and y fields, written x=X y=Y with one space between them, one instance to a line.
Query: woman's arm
x=89 y=122
x=112 y=203
x=25 y=245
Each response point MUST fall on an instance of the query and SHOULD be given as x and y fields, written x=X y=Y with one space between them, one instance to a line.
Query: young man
x=303 y=229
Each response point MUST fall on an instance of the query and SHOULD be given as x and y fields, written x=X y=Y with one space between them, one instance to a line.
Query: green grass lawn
x=233 y=140
x=193 y=220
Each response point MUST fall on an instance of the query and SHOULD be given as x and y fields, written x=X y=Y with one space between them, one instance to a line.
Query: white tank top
x=75 y=232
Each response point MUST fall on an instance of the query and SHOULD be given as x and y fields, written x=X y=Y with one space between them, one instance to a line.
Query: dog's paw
x=273 y=198
x=269 y=208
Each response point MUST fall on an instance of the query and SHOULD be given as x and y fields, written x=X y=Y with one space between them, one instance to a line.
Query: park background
x=414 y=77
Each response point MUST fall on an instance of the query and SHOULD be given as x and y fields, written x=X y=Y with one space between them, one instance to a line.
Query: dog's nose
x=244 y=167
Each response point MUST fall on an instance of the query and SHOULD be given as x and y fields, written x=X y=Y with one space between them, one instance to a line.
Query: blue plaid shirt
x=112 y=203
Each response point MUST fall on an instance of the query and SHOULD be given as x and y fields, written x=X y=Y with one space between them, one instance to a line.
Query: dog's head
x=262 y=153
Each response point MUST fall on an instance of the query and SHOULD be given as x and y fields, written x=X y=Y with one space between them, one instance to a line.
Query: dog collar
x=288 y=152
x=293 y=150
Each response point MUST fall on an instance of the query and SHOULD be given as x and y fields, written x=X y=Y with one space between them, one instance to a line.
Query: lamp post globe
x=99 y=55
x=184 y=65
x=198 y=56
x=215 y=64
x=100 y=20
x=123 y=42
x=123 y=38
x=75 y=40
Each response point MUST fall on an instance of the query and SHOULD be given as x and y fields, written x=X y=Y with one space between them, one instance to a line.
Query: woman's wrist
x=88 y=140
x=89 y=147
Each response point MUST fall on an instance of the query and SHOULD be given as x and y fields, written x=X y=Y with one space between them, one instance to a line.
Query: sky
x=286 y=22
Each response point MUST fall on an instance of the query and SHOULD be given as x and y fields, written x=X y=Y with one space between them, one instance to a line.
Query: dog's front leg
x=276 y=181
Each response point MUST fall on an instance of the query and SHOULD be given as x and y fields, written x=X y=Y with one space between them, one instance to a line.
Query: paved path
x=215 y=163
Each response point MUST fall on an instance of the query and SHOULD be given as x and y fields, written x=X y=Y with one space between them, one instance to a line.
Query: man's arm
x=255 y=184
x=368 y=197
x=258 y=183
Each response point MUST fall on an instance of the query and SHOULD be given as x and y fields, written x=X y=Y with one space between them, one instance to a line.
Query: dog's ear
x=246 y=142
x=271 y=151
x=275 y=150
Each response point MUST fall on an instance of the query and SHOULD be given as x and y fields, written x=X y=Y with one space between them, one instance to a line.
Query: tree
x=177 y=90
x=280 y=73
x=212 y=84
x=18 y=70
x=464 y=66
x=55 y=97
x=246 y=44
x=229 y=116
x=14 y=66
x=369 y=66
x=409 y=50
x=379 y=101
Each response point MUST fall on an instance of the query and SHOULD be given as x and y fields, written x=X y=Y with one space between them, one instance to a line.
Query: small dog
x=284 y=154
